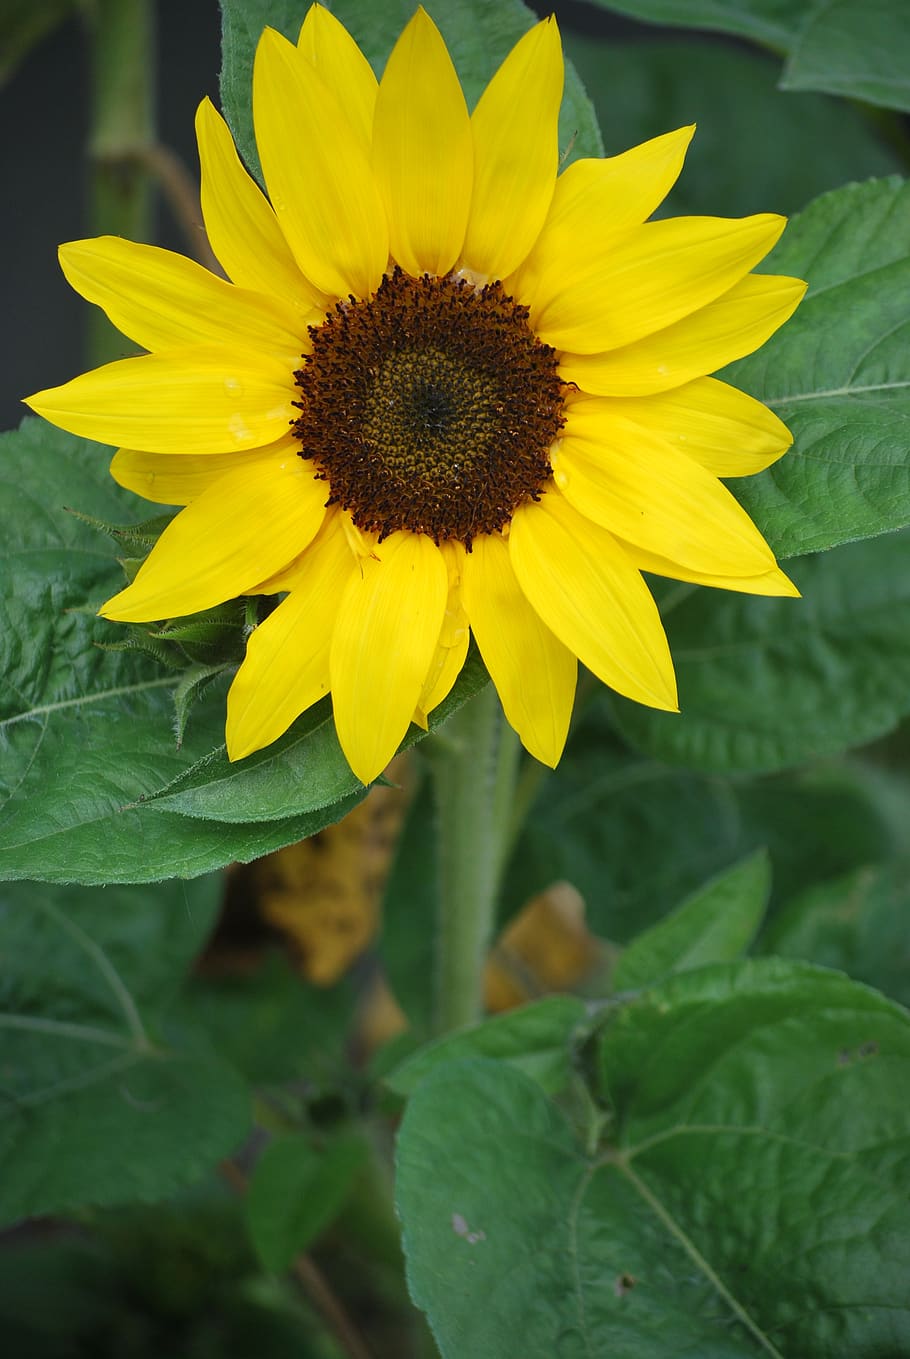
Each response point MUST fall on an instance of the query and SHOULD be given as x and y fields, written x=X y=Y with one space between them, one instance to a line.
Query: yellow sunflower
x=446 y=390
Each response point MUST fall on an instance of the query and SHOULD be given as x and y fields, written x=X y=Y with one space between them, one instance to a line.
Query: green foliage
x=861 y=51
x=100 y=1106
x=838 y=374
x=533 y=1038
x=643 y=89
x=478 y=36
x=91 y=765
x=270 y=1023
x=636 y=836
x=769 y=683
x=409 y=911
x=23 y=25
x=715 y=925
x=169 y=1279
x=706 y=1161
x=662 y=1230
x=774 y=22
x=297 y=1191
x=859 y=923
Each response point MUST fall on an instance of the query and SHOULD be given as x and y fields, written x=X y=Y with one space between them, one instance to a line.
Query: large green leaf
x=643 y=89
x=99 y=1105
x=774 y=22
x=744 y=1197
x=478 y=35
x=838 y=374
x=93 y=786
x=861 y=51
x=767 y=684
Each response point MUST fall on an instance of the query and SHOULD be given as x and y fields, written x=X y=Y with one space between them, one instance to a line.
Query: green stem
x=474 y=772
x=122 y=134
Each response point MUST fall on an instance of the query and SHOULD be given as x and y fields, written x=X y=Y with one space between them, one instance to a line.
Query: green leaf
x=767 y=684
x=193 y=684
x=97 y=1107
x=142 y=536
x=479 y=36
x=774 y=22
x=271 y=1024
x=838 y=374
x=643 y=89
x=715 y=925
x=861 y=51
x=91 y=765
x=534 y=1038
x=609 y=822
x=859 y=923
x=302 y=771
x=296 y=1191
x=747 y=1202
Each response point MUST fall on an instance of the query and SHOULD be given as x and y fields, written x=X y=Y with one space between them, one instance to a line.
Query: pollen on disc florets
x=430 y=406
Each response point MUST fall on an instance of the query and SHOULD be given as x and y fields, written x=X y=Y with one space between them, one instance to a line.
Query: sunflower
x=443 y=390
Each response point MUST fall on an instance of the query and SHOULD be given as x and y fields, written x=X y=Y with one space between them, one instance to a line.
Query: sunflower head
x=442 y=389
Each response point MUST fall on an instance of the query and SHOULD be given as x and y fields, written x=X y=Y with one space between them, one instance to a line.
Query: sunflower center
x=429 y=407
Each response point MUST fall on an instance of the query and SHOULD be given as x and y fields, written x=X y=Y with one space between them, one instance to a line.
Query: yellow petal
x=423 y=151
x=643 y=490
x=286 y=669
x=248 y=524
x=605 y=197
x=317 y=173
x=590 y=594
x=734 y=325
x=721 y=428
x=189 y=401
x=328 y=46
x=169 y=480
x=164 y=301
x=768 y=583
x=242 y=228
x=533 y=671
x=516 y=153
x=388 y=623
x=451 y=644
x=598 y=299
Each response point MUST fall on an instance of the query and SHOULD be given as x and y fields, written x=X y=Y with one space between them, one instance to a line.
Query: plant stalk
x=122 y=135
x=474 y=774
